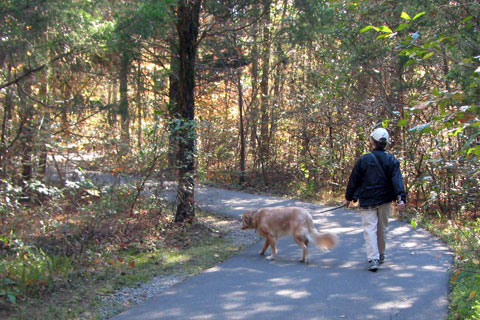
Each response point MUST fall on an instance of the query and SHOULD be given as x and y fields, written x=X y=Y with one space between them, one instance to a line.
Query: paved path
x=412 y=284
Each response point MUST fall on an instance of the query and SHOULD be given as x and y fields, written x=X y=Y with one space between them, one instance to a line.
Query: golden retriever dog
x=273 y=223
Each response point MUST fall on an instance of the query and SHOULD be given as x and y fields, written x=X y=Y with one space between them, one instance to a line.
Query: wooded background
x=276 y=95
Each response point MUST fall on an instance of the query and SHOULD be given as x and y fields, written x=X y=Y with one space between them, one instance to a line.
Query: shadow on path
x=412 y=284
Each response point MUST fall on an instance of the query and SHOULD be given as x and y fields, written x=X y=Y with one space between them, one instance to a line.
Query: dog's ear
x=246 y=219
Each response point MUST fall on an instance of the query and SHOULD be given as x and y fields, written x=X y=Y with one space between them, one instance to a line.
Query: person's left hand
x=346 y=203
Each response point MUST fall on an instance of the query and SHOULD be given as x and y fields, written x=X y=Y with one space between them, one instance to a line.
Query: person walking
x=376 y=181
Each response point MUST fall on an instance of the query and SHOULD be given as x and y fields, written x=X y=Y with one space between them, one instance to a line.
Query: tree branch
x=30 y=71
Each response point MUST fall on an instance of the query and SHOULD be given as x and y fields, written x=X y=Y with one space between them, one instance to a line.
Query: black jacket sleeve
x=397 y=182
x=354 y=183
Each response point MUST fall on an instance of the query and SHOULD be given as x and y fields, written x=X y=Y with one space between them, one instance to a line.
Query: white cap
x=379 y=134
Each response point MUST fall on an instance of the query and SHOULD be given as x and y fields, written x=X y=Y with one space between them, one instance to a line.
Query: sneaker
x=382 y=258
x=373 y=265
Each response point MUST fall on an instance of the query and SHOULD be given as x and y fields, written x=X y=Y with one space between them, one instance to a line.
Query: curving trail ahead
x=412 y=284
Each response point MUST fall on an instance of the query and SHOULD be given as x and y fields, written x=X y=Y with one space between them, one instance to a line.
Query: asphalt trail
x=412 y=284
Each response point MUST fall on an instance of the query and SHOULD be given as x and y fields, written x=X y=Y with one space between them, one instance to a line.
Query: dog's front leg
x=265 y=246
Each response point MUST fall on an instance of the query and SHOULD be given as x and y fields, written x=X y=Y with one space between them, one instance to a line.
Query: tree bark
x=139 y=105
x=173 y=96
x=42 y=158
x=187 y=27
x=264 y=90
x=123 y=107
x=242 y=130
x=253 y=112
x=27 y=137
x=7 y=115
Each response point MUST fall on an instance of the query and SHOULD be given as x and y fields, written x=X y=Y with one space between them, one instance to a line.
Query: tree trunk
x=173 y=96
x=112 y=101
x=42 y=159
x=242 y=130
x=27 y=137
x=138 y=101
x=253 y=112
x=264 y=90
x=7 y=115
x=187 y=27
x=123 y=107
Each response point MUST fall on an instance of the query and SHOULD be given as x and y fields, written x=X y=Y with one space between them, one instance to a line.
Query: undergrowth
x=62 y=253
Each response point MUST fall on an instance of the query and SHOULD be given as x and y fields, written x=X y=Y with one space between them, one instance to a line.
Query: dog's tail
x=325 y=240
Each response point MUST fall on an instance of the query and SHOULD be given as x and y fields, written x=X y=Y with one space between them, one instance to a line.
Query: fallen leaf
x=455 y=278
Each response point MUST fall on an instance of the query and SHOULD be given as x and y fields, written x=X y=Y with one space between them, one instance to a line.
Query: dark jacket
x=368 y=184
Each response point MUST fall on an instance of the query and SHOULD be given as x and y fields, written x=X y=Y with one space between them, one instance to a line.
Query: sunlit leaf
x=455 y=132
x=410 y=62
x=385 y=29
x=368 y=28
x=405 y=16
x=428 y=55
x=475 y=150
x=418 y=15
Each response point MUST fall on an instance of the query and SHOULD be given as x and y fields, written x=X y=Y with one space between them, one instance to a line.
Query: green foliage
x=465 y=302
x=29 y=271
x=465 y=282
x=10 y=196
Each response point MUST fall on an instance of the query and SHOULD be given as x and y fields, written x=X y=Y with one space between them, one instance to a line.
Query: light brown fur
x=277 y=222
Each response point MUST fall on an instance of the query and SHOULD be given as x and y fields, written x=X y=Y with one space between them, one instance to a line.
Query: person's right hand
x=401 y=206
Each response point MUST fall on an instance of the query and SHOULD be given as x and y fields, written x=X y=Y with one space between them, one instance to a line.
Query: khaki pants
x=375 y=223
